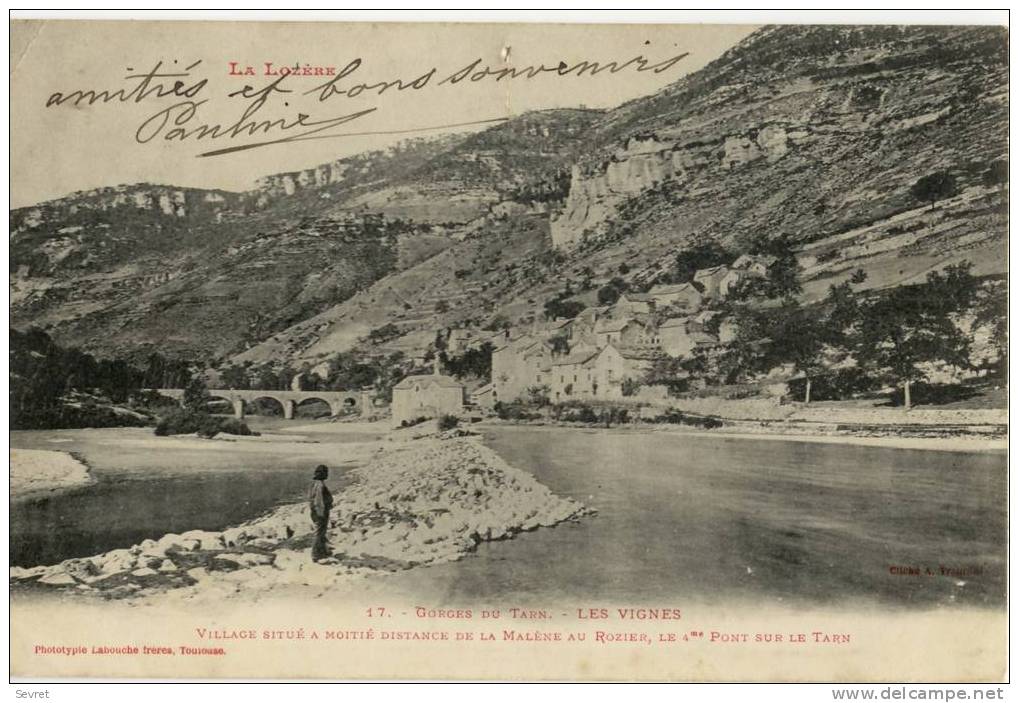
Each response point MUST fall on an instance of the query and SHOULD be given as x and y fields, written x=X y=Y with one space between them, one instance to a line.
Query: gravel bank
x=420 y=502
x=36 y=472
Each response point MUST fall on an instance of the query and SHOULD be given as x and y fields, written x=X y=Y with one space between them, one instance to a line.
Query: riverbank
x=417 y=502
x=957 y=443
x=39 y=472
x=936 y=429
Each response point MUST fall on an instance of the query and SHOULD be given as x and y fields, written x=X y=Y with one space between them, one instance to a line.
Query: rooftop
x=426 y=380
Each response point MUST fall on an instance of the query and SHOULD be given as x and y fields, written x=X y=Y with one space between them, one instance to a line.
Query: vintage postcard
x=508 y=351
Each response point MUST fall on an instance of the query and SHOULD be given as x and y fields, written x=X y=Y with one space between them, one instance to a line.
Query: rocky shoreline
x=41 y=472
x=419 y=502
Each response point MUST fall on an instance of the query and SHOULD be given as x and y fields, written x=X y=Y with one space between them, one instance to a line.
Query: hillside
x=812 y=133
x=815 y=134
x=128 y=269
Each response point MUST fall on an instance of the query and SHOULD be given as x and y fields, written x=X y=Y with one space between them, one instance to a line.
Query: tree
x=797 y=335
x=235 y=377
x=557 y=308
x=196 y=396
x=538 y=395
x=475 y=362
x=349 y=372
x=748 y=353
x=992 y=314
x=560 y=344
x=913 y=325
x=688 y=261
x=783 y=277
x=630 y=386
x=610 y=292
x=669 y=372
x=934 y=187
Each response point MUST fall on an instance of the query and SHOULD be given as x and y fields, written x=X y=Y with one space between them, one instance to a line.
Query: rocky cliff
x=813 y=133
x=856 y=113
x=129 y=269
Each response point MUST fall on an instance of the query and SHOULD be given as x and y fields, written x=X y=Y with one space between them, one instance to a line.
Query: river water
x=720 y=519
x=679 y=516
x=148 y=486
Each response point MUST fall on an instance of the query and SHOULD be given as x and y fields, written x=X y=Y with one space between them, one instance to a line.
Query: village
x=603 y=353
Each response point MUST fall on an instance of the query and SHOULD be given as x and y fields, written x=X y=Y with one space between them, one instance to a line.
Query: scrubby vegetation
x=185 y=421
x=448 y=422
x=52 y=387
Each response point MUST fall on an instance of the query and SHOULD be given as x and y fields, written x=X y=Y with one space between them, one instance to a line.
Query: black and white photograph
x=509 y=351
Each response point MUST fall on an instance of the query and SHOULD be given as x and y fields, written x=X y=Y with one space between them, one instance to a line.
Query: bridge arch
x=339 y=402
x=213 y=396
x=298 y=402
x=286 y=405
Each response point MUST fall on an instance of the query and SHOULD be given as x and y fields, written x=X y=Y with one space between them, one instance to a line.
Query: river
x=679 y=516
x=721 y=519
x=148 y=486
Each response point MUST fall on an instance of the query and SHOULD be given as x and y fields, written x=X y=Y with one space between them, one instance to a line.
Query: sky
x=62 y=148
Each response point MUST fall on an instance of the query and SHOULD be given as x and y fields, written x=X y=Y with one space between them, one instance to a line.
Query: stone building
x=426 y=395
x=616 y=364
x=572 y=376
x=680 y=295
x=633 y=304
x=680 y=336
x=485 y=397
x=710 y=279
x=517 y=366
x=624 y=331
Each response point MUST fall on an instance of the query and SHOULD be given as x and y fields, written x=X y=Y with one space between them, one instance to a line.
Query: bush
x=208 y=427
x=61 y=417
x=514 y=411
x=178 y=421
x=577 y=413
x=677 y=417
x=448 y=422
x=237 y=427
x=181 y=421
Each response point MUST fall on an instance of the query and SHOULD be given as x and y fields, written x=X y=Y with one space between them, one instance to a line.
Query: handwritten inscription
x=266 y=116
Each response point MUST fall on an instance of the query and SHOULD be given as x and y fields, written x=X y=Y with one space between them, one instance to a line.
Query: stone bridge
x=338 y=401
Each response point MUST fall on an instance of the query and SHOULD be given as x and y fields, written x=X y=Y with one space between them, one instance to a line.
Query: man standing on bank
x=321 y=502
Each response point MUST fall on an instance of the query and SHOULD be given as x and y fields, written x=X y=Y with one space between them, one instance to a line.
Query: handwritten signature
x=181 y=121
